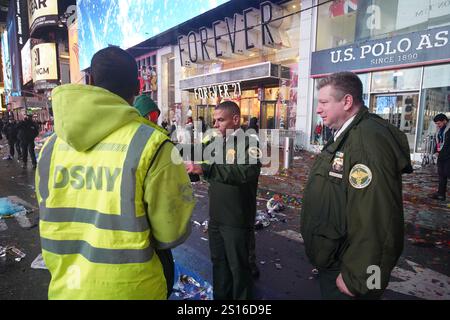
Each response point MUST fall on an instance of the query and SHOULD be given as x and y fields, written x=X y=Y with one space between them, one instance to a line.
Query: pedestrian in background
x=352 y=213
x=232 y=204
x=108 y=190
x=150 y=111
x=443 y=150
x=253 y=124
x=27 y=132
x=10 y=131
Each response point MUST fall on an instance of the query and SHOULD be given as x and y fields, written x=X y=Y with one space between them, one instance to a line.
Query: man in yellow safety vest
x=111 y=192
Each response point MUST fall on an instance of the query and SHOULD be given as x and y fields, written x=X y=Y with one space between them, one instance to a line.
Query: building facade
x=399 y=48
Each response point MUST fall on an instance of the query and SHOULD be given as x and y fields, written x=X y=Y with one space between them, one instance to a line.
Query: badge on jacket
x=255 y=153
x=337 y=167
x=231 y=156
x=360 y=176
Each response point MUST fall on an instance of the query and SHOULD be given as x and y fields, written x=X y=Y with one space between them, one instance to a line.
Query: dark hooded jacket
x=352 y=215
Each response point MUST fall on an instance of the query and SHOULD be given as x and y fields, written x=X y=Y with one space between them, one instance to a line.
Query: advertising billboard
x=7 y=76
x=42 y=13
x=27 y=74
x=44 y=62
x=75 y=75
x=127 y=23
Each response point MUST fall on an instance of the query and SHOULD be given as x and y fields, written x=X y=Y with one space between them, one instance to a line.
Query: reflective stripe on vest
x=127 y=221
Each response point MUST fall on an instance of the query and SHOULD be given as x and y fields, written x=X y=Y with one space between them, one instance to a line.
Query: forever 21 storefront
x=249 y=55
x=401 y=51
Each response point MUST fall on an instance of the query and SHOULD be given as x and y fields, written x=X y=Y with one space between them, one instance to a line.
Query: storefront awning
x=266 y=73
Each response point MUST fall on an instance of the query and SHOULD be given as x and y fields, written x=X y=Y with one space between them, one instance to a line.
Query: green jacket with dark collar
x=352 y=215
x=232 y=168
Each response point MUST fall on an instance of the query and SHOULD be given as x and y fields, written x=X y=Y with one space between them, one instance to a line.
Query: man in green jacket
x=352 y=215
x=232 y=169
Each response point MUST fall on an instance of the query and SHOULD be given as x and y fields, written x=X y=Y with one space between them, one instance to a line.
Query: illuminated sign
x=45 y=66
x=42 y=13
x=252 y=30
x=224 y=91
x=27 y=73
x=126 y=23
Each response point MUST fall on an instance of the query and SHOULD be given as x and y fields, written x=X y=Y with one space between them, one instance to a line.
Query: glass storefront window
x=435 y=100
x=399 y=110
x=250 y=106
x=396 y=80
x=341 y=22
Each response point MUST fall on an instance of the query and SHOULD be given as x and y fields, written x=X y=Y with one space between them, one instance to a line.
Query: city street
x=422 y=273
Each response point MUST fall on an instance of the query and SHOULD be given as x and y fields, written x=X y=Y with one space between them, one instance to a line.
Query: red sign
x=343 y=7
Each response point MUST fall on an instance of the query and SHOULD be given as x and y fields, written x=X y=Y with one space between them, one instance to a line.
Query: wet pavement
x=422 y=273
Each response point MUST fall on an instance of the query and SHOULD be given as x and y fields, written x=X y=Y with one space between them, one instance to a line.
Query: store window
x=341 y=22
x=396 y=80
x=435 y=100
x=250 y=106
x=320 y=134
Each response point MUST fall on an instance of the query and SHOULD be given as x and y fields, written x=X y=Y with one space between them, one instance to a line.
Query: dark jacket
x=253 y=125
x=27 y=131
x=233 y=186
x=352 y=215
x=444 y=154
x=11 y=131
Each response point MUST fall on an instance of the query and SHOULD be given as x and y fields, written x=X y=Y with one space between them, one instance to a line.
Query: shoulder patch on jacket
x=360 y=176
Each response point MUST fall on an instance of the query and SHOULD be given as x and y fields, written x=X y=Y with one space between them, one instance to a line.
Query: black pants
x=166 y=258
x=444 y=173
x=19 y=149
x=12 y=145
x=28 y=147
x=232 y=277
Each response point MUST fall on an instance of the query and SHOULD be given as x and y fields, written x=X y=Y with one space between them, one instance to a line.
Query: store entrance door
x=268 y=115
x=400 y=110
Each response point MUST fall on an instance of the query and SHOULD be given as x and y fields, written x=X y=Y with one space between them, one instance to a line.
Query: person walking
x=10 y=131
x=352 y=213
x=109 y=193
x=27 y=133
x=442 y=149
x=233 y=183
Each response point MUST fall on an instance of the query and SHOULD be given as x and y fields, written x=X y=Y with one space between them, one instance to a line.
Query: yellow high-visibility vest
x=96 y=234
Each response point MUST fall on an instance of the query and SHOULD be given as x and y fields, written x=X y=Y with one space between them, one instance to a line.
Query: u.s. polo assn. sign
x=424 y=47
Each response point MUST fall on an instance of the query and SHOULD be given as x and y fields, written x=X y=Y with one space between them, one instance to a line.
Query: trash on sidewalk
x=9 y=208
x=204 y=239
x=205 y=226
x=3 y=225
x=292 y=235
x=278 y=266
x=2 y=252
x=262 y=262
x=189 y=286
x=262 y=220
x=19 y=255
x=38 y=263
x=275 y=204
x=197 y=224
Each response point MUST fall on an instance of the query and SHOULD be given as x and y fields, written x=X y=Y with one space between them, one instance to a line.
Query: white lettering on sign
x=388 y=51
x=224 y=91
x=236 y=35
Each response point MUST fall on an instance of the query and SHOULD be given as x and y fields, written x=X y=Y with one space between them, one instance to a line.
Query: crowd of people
x=21 y=136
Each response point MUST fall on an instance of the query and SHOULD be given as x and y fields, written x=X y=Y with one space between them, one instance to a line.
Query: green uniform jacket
x=234 y=183
x=352 y=215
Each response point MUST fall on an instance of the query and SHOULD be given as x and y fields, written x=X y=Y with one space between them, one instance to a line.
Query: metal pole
x=288 y=152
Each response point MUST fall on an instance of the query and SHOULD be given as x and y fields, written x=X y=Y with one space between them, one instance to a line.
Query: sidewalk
x=427 y=221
